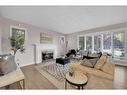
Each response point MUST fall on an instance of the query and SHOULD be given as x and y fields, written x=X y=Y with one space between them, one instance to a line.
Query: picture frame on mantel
x=62 y=39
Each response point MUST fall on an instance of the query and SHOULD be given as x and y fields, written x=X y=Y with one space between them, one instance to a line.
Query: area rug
x=53 y=73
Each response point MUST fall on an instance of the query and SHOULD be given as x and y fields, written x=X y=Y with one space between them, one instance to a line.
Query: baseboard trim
x=121 y=64
x=31 y=63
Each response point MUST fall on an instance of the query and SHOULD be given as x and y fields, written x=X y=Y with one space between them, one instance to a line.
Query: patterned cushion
x=94 y=61
x=89 y=62
x=100 y=62
x=86 y=62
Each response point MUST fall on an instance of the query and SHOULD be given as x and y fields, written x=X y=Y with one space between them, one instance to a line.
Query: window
x=97 y=43
x=118 y=45
x=110 y=42
x=81 y=42
x=18 y=31
x=89 y=43
x=107 y=43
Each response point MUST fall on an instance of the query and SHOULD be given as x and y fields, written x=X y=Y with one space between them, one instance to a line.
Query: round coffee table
x=77 y=79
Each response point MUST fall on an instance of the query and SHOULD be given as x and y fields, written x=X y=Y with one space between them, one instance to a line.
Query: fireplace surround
x=39 y=48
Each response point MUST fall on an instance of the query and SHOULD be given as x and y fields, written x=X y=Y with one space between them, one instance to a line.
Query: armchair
x=71 y=52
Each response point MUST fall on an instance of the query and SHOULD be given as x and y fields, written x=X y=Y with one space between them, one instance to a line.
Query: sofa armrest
x=100 y=73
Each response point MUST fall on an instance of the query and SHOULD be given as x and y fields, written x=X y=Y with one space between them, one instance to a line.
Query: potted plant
x=17 y=43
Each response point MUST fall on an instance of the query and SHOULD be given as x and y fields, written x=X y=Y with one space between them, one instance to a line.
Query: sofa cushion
x=100 y=62
x=7 y=64
x=108 y=68
x=86 y=62
x=89 y=62
x=94 y=61
x=96 y=82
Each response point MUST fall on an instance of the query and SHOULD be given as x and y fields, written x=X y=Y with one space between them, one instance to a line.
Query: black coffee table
x=62 y=61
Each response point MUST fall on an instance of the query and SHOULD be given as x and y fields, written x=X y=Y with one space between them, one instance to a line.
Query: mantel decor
x=62 y=39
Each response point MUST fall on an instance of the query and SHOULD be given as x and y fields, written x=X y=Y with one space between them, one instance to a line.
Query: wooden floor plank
x=34 y=80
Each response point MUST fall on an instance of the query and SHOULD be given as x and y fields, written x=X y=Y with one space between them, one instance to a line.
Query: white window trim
x=78 y=41
x=102 y=33
x=85 y=41
x=18 y=27
x=122 y=30
x=108 y=33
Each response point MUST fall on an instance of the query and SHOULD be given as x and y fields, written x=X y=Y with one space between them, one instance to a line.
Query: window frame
x=78 y=41
x=117 y=31
x=92 y=41
x=18 y=27
x=111 y=32
x=103 y=41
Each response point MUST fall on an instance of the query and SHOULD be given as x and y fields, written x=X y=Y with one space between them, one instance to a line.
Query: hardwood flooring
x=120 y=81
x=34 y=80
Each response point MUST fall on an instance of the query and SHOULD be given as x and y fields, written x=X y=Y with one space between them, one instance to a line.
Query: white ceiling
x=66 y=19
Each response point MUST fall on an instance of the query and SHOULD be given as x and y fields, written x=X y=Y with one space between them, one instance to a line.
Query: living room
x=58 y=43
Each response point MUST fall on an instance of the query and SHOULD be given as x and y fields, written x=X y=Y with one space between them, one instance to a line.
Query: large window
x=118 y=45
x=16 y=30
x=81 y=42
x=112 y=43
x=89 y=43
x=97 y=43
x=107 y=43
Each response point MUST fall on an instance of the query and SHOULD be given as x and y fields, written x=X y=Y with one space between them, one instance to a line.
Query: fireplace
x=46 y=55
x=48 y=48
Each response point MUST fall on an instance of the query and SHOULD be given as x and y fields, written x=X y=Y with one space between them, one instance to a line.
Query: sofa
x=101 y=76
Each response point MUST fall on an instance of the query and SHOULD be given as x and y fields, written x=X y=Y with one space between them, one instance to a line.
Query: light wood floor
x=120 y=81
x=34 y=80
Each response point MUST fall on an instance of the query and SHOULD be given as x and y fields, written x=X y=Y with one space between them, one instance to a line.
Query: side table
x=77 y=79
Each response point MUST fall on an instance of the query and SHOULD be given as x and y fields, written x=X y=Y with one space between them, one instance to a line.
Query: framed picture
x=14 y=30
x=62 y=39
x=46 y=38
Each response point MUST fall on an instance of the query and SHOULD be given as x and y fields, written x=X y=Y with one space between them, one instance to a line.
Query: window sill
x=120 y=62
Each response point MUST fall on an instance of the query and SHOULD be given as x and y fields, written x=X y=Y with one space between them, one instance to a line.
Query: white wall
x=33 y=37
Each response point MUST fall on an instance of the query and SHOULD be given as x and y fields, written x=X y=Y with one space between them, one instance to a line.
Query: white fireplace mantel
x=38 y=48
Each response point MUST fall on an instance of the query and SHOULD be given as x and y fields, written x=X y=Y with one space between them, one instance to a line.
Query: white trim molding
x=18 y=27
x=43 y=47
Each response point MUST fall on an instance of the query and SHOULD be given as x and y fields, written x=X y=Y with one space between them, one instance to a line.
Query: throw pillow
x=89 y=62
x=86 y=62
x=94 y=61
x=7 y=64
x=100 y=62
